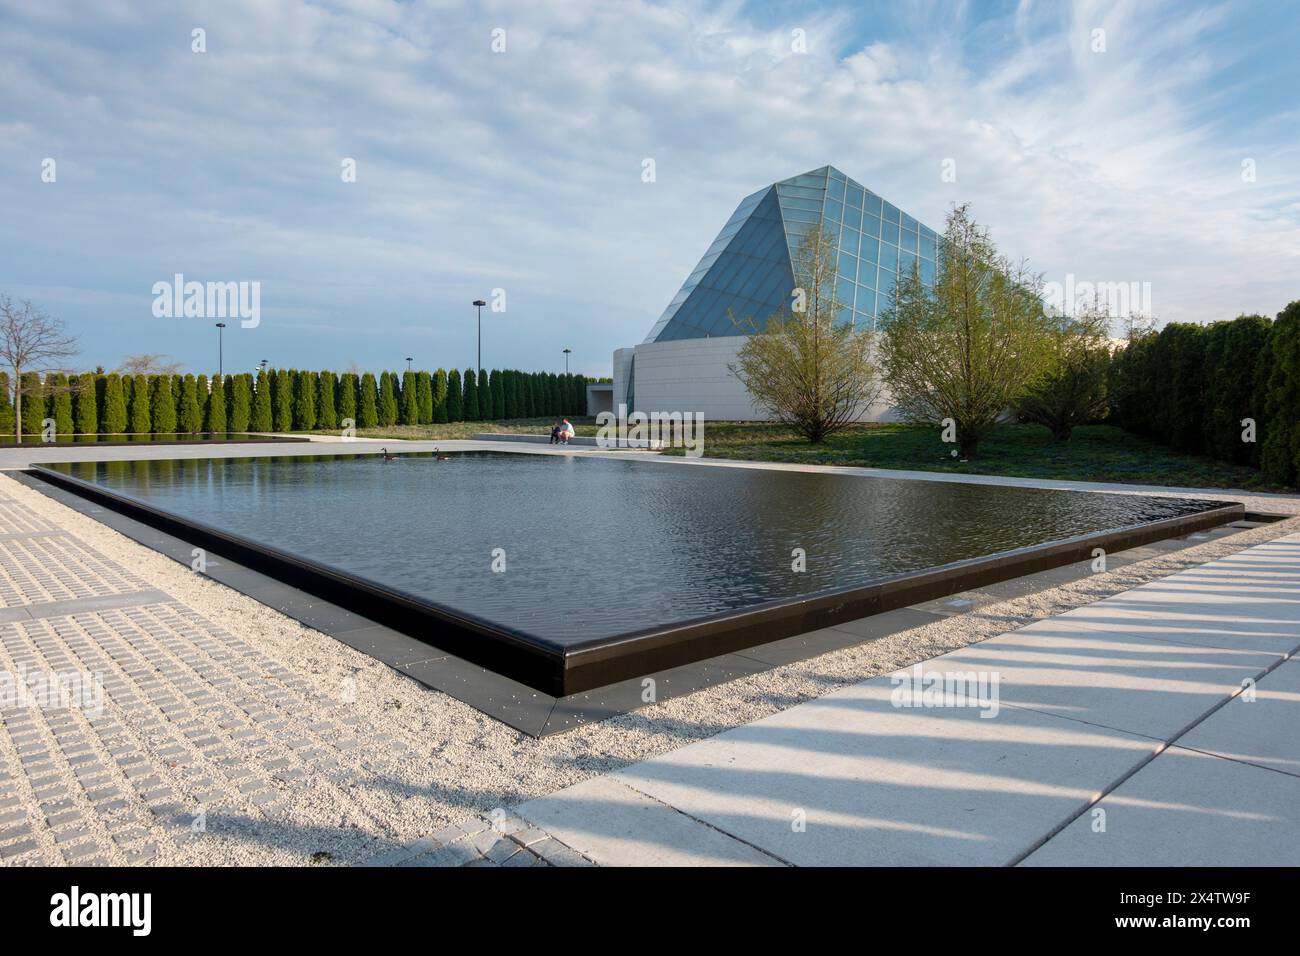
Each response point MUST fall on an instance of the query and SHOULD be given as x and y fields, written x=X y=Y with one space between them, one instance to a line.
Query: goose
x=387 y=456
x=440 y=457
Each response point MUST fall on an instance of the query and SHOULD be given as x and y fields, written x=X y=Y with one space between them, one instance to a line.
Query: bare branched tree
x=31 y=341
x=806 y=367
x=149 y=363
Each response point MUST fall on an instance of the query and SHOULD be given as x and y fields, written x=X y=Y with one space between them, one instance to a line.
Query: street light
x=478 y=304
x=408 y=363
x=566 y=360
x=220 y=365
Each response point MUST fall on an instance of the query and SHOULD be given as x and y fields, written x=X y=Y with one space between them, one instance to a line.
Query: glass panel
x=848 y=265
x=905 y=262
x=852 y=217
x=853 y=196
x=907 y=241
x=844 y=290
x=889 y=232
x=873 y=204
x=927 y=246
x=871 y=225
x=890 y=213
x=910 y=223
x=834 y=210
x=888 y=257
x=789 y=202
x=849 y=241
x=867 y=273
x=885 y=290
x=927 y=272
x=870 y=249
x=835 y=189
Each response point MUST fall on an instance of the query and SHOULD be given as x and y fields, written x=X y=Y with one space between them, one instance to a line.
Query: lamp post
x=220 y=350
x=566 y=360
x=408 y=363
x=478 y=304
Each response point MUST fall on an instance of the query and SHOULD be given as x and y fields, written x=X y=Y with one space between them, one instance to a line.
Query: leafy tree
x=387 y=399
x=455 y=397
x=304 y=400
x=162 y=404
x=326 y=415
x=965 y=349
x=141 y=419
x=409 y=413
x=802 y=367
x=368 y=407
x=469 y=401
x=113 y=417
x=263 y=417
x=1072 y=387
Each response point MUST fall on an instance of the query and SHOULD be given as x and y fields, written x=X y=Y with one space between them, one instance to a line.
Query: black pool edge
x=515 y=656
x=605 y=662
x=561 y=672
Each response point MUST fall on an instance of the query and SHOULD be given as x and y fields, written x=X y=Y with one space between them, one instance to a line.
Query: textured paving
x=184 y=729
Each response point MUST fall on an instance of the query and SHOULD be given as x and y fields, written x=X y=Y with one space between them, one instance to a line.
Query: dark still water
x=597 y=547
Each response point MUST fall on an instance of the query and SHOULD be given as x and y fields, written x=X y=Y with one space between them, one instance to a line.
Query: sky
x=501 y=151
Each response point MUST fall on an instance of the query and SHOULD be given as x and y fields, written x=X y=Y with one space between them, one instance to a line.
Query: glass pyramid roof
x=748 y=268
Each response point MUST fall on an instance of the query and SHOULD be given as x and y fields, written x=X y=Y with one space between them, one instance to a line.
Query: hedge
x=1197 y=388
x=283 y=400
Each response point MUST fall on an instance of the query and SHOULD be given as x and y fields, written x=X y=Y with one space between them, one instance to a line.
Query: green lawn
x=452 y=430
x=1095 y=453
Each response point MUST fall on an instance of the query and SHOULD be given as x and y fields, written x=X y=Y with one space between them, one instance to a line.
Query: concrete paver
x=1186 y=809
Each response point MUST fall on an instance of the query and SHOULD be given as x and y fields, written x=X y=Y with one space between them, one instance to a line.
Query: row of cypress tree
x=1198 y=388
x=283 y=400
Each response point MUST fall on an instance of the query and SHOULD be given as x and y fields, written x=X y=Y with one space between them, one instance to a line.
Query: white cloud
x=522 y=169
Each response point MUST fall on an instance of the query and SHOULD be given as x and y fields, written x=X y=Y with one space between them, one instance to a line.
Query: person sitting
x=566 y=432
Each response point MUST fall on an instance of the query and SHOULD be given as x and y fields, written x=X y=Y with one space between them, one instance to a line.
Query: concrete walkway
x=1160 y=726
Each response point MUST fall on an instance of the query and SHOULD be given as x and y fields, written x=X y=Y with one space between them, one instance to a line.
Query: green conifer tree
x=388 y=399
x=162 y=404
x=367 y=402
x=438 y=387
x=326 y=414
x=263 y=414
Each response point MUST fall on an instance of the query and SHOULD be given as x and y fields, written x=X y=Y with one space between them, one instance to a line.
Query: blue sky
x=522 y=169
